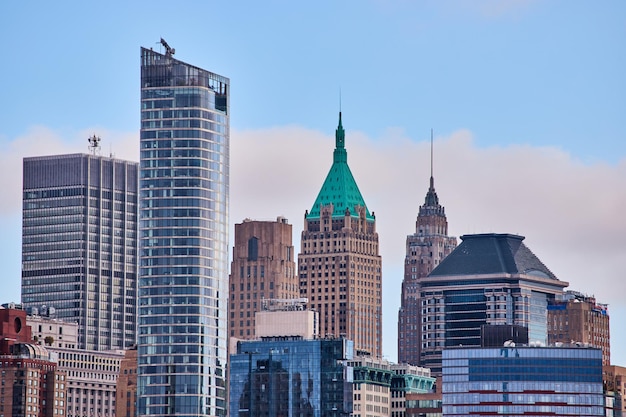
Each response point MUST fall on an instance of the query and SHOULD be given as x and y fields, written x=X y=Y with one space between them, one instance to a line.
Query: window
x=253 y=249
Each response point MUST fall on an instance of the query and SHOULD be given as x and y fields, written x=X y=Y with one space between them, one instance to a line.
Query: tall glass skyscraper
x=183 y=281
x=79 y=245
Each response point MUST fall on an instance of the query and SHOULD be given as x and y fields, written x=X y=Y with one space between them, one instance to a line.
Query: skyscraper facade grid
x=79 y=245
x=183 y=280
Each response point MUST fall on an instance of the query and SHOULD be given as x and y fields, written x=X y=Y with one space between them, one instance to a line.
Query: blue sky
x=527 y=100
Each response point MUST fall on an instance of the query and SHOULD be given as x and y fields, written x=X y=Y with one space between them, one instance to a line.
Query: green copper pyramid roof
x=339 y=188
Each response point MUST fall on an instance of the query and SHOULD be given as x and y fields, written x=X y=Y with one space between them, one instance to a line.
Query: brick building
x=578 y=318
x=32 y=385
x=263 y=267
x=126 y=392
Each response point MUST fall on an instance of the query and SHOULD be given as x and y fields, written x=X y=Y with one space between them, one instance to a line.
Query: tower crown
x=339 y=188
x=431 y=205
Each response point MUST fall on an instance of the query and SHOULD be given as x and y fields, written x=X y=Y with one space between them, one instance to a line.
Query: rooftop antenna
x=431 y=152
x=94 y=144
x=169 y=51
x=339 y=99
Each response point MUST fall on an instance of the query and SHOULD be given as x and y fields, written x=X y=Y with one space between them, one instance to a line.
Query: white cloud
x=40 y=141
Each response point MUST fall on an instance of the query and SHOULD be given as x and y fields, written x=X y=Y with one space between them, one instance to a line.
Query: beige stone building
x=263 y=267
x=53 y=332
x=286 y=318
x=407 y=380
x=371 y=389
x=91 y=380
x=578 y=318
x=339 y=262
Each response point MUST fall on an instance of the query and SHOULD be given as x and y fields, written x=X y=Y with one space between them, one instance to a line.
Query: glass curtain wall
x=184 y=180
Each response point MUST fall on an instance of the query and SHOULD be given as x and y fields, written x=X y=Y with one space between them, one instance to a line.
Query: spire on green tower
x=340 y=154
x=339 y=188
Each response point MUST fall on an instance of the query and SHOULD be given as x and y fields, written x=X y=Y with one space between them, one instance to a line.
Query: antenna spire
x=94 y=144
x=339 y=99
x=431 y=156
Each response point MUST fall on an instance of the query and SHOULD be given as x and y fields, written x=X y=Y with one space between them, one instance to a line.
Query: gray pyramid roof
x=492 y=253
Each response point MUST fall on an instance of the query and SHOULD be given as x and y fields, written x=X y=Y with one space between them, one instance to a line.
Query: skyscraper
x=79 y=245
x=425 y=249
x=263 y=267
x=489 y=279
x=339 y=263
x=183 y=284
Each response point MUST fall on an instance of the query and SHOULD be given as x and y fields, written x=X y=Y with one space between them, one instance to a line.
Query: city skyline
x=527 y=90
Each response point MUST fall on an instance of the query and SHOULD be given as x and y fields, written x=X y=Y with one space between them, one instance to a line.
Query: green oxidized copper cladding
x=339 y=188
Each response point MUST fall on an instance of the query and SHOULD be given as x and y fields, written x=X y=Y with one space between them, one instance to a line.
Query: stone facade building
x=425 y=249
x=578 y=318
x=263 y=267
x=91 y=380
x=339 y=262
x=53 y=332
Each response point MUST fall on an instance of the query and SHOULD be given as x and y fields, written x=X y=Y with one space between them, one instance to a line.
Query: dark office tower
x=489 y=279
x=339 y=264
x=263 y=267
x=183 y=280
x=79 y=245
x=425 y=249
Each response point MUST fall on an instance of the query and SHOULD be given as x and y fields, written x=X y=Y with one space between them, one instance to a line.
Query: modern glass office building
x=183 y=282
x=489 y=279
x=79 y=245
x=291 y=377
x=522 y=381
